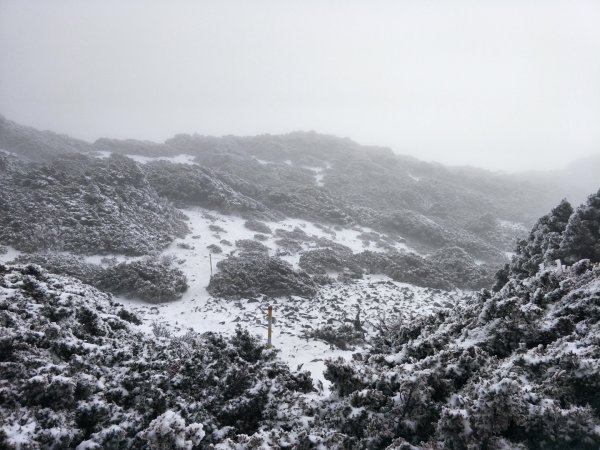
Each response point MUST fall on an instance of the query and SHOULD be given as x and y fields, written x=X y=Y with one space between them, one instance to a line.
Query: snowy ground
x=376 y=296
x=9 y=254
x=515 y=226
x=180 y=159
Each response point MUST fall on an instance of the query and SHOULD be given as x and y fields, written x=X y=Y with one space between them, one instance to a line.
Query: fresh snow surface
x=108 y=259
x=20 y=435
x=101 y=155
x=377 y=296
x=319 y=173
x=10 y=254
x=180 y=159
x=262 y=161
x=513 y=225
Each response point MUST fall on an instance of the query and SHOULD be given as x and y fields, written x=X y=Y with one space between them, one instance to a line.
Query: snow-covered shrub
x=581 y=239
x=307 y=202
x=321 y=260
x=297 y=234
x=168 y=431
x=542 y=243
x=405 y=267
x=461 y=269
x=214 y=248
x=188 y=185
x=84 y=205
x=160 y=329
x=484 y=223
x=151 y=279
x=252 y=274
x=344 y=337
x=251 y=246
x=322 y=280
x=64 y=264
x=559 y=235
x=519 y=368
x=416 y=226
x=287 y=246
x=258 y=226
x=75 y=375
x=216 y=228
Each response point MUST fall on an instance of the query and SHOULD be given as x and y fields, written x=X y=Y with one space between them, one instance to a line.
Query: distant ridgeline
x=303 y=174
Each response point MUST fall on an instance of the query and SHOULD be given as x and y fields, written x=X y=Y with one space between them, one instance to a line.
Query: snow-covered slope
x=375 y=296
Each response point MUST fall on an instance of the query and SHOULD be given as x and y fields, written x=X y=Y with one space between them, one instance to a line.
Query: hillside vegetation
x=325 y=179
x=518 y=368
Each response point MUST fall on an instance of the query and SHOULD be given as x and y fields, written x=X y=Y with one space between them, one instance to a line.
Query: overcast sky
x=500 y=84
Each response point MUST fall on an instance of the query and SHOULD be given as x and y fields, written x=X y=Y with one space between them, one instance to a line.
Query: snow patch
x=10 y=254
x=177 y=159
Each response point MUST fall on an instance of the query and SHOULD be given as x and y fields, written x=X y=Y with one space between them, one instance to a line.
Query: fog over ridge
x=508 y=86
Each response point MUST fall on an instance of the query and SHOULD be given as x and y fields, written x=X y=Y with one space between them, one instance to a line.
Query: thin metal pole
x=210 y=259
x=270 y=331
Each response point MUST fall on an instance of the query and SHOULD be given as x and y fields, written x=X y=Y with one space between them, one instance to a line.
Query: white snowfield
x=9 y=254
x=377 y=297
x=179 y=159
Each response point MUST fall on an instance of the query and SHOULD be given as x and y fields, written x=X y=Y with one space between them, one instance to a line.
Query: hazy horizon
x=500 y=171
x=507 y=87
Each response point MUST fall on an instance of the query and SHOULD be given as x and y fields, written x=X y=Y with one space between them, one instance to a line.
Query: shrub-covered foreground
x=516 y=369
x=74 y=374
x=520 y=369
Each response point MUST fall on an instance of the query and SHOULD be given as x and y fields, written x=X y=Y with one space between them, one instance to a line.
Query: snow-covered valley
x=374 y=297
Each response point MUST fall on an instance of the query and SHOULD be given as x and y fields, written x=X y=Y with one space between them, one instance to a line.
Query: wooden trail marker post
x=269 y=322
x=210 y=260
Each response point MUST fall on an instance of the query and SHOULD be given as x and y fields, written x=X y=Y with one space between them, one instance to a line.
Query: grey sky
x=499 y=84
